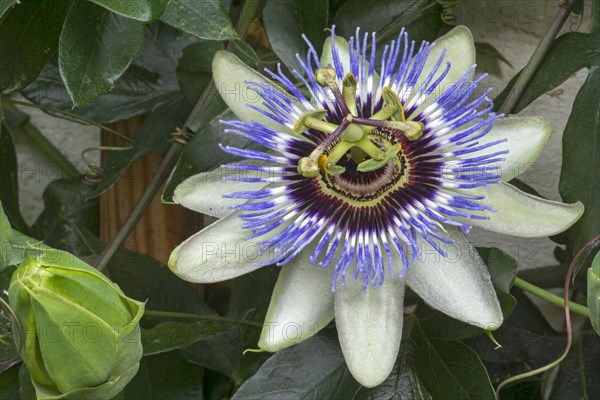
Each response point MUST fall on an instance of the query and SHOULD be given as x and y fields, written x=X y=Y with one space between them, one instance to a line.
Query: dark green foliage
x=111 y=60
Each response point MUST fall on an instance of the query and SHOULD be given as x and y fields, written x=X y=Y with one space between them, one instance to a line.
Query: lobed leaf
x=29 y=36
x=96 y=47
x=204 y=19
x=579 y=178
x=139 y=10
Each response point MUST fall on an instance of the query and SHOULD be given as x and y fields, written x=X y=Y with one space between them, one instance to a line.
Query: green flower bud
x=81 y=333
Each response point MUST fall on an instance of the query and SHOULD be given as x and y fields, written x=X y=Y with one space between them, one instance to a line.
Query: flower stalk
x=550 y=297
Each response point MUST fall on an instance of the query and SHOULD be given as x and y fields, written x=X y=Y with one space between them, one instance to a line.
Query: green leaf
x=26 y=389
x=67 y=209
x=577 y=376
x=451 y=370
x=165 y=376
x=140 y=10
x=503 y=270
x=147 y=83
x=172 y=335
x=143 y=277
x=579 y=179
x=421 y=18
x=205 y=19
x=9 y=195
x=249 y=299
x=286 y=20
x=29 y=36
x=9 y=382
x=194 y=70
x=13 y=243
x=152 y=136
x=526 y=389
x=313 y=369
x=593 y=295
x=568 y=54
x=4 y=6
x=489 y=58
x=527 y=342
x=96 y=47
x=202 y=153
x=429 y=368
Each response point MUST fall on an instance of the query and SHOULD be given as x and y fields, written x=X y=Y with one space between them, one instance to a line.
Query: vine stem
x=247 y=15
x=202 y=317
x=566 y=305
x=565 y=8
x=550 y=297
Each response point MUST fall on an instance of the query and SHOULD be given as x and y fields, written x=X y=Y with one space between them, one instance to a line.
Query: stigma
x=353 y=135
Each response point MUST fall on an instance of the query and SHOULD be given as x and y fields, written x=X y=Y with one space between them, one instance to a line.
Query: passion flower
x=364 y=181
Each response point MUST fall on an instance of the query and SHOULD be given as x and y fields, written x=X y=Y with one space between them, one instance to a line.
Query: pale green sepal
x=82 y=338
x=343 y=49
x=204 y=192
x=13 y=252
x=458 y=285
x=593 y=296
x=108 y=390
x=301 y=304
x=522 y=214
x=218 y=252
x=231 y=76
x=460 y=53
x=526 y=136
x=369 y=324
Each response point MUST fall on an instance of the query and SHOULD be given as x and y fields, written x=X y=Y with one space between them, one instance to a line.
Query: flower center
x=360 y=187
x=359 y=139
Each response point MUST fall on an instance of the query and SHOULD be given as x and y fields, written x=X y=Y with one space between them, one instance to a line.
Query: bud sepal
x=81 y=333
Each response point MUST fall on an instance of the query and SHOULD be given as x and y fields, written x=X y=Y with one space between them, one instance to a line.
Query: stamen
x=374 y=164
x=349 y=86
x=309 y=166
x=389 y=97
x=326 y=77
x=411 y=129
x=313 y=120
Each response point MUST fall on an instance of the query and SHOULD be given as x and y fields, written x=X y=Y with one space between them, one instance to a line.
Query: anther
x=349 y=85
x=313 y=120
x=390 y=98
x=374 y=164
x=326 y=77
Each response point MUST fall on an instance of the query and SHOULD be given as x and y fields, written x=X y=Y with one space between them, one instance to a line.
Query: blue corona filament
x=365 y=223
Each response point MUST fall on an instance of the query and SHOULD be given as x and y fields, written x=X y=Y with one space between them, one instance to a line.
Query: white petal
x=230 y=75
x=204 y=192
x=521 y=214
x=369 y=327
x=458 y=285
x=301 y=305
x=216 y=253
x=460 y=53
x=526 y=140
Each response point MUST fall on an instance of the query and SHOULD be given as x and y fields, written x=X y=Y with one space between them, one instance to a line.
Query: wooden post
x=162 y=227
